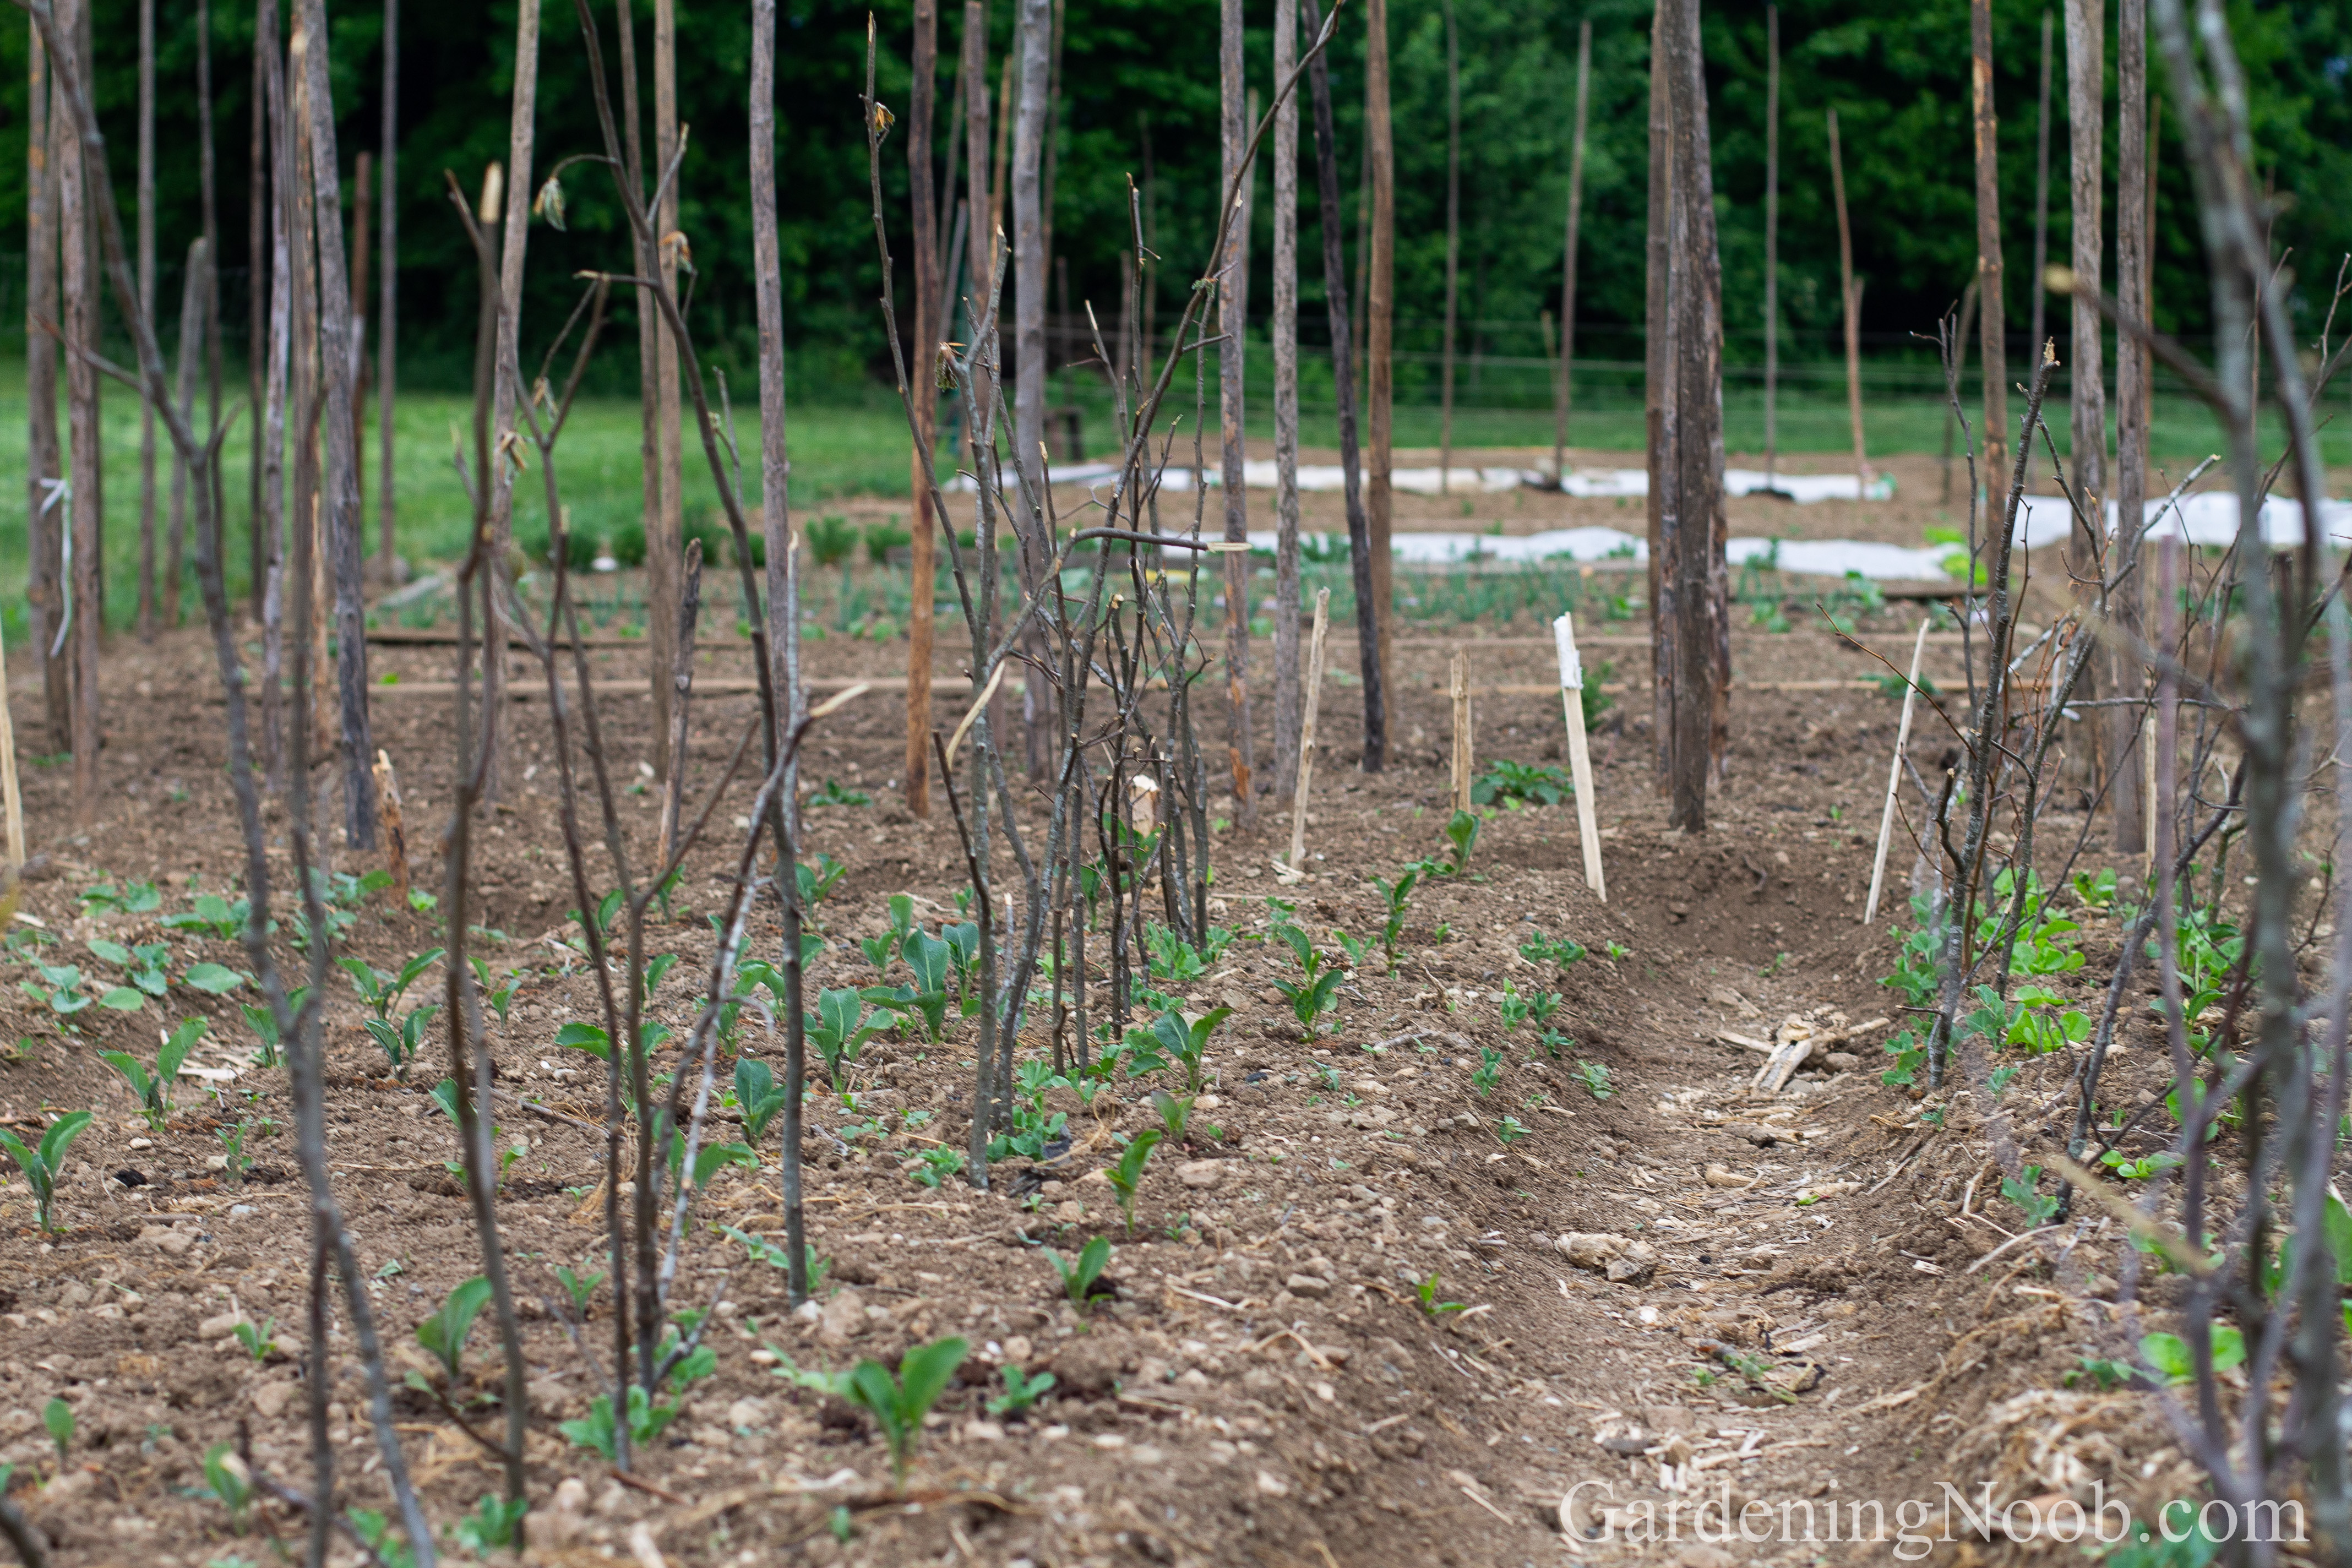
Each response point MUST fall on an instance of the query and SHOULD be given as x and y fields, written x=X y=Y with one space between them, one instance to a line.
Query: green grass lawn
x=841 y=450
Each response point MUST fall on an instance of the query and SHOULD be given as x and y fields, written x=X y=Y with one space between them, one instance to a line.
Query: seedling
x=500 y=998
x=1315 y=994
x=1505 y=781
x=58 y=1417
x=1396 y=895
x=60 y=989
x=229 y=1482
x=597 y=1429
x=838 y=1029
x=213 y=915
x=2138 y=1170
x=581 y=1287
x=144 y=966
x=2103 y=1371
x=897 y=1403
x=1127 y=1174
x=879 y=949
x=926 y=998
x=443 y=1333
x=1189 y=1043
x=1176 y=1115
x=154 y=1093
x=1079 y=1278
x=400 y=1043
x=2038 y=1207
x=686 y=1367
x=233 y=1151
x=1509 y=1129
x=212 y=978
x=375 y=1529
x=1513 y=1007
x=1596 y=1079
x=817 y=881
x=381 y=991
x=2170 y=1353
x=1020 y=1392
x=1540 y=950
x=42 y=1164
x=933 y=1166
x=1461 y=838
x=1489 y=1070
x=817 y=1265
x=492 y=1524
x=1427 y=1291
x=256 y=1338
x=265 y=1024
x=832 y=794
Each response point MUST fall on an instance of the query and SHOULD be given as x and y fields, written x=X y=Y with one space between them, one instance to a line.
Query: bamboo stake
x=1580 y=755
x=12 y=800
x=1232 y=310
x=1895 y=778
x=1297 y=857
x=931 y=317
x=1462 y=724
x=1852 y=289
x=665 y=535
x=43 y=516
x=387 y=285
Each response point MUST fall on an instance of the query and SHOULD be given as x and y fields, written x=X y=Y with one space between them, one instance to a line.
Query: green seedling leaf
x=213 y=979
x=1020 y=1393
x=1078 y=1278
x=443 y=1333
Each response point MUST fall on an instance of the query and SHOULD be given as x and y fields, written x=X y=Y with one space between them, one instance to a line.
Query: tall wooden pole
x=1452 y=243
x=1772 y=242
x=1990 y=322
x=1233 y=318
x=146 y=276
x=1332 y=219
x=666 y=534
x=783 y=580
x=259 y=235
x=45 y=514
x=978 y=235
x=387 y=293
x=1287 y=715
x=1563 y=396
x=207 y=181
x=653 y=504
x=1381 y=312
x=362 y=169
x=2041 y=294
x=921 y=184
x=1702 y=584
x=82 y=335
x=1659 y=406
x=2133 y=244
x=1033 y=42
x=2086 y=81
x=1850 y=289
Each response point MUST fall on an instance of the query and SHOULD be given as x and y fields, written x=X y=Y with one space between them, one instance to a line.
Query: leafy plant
x=1020 y=1393
x=1395 y=896
x=1489 y=1070
x=493 y=1525
x=935 y=1165
x=1176 y=1115
x=898 y=1402
x=1596 y=1079
x=445 y=1332
x=1426 y=1290
x=757 y=1096
x=1126 y=1173
x=926 y=998
x=2170 y=1353
x=377 y=1530
x=2039 y=1208
x=814 y=1264
x=1533 y=784
x=581 y=1287
x=265 y=1024
x=879 y=949
x=213 y=915
x=1540 y=950
x=60 y=988
x=401 y=1042
x=43 y=1162
x=1314 y=992
x=597 y=1430
x=229 y=1482
x=381 y=991
x=131 y=899
x=818 y=881
x=2103 y=1371
x=212 y=978
x=233 y=1150
x=1461 y=838
x=143 y=965
x=154 y=1092
x=257 y=1339
x=838 y=1029
x=832 y=794
x=1510 y=1130
x=1078 y=1277
x=1513 y=1007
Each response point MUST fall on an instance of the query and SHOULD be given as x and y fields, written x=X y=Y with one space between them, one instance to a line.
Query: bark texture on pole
x=1771 y=241
x=1033 y=42
x=388 y=291
x=1286 y=691
x=1563 y=396
x=1452 y=243
x=2086 y=77
x=81 y=505
x=2041 y=294
x=146 y=273
x=1991 y=324
x=339 y=517
x=929 y=321
x=1380 y=293
x=2133 y=244
x=261 y=234
x=653 y=502
x=980 y=234
x=1850 y=289
x=775 y=464
x=1658 y=403
x=1330 y=219
x=1232 y=312
x=46 y=514
x=665 y=531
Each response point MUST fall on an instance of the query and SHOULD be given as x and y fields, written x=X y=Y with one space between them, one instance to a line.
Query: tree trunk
x=1452 y=246
x=1381 y=310
x=2041 y=193
x=1331 y=218
x=1851 y=289
x=1990 y=324
x=260 y=232
x=665 y=531
x=1702 y=588
x=1772 y=242
x=1563 y=395
x=1286 y=691
x=146 y=276
x=2127 y=736
x=921 y=185
x=45 y=514
x=2086 y=79
x=82 y=521
x=1659 y=396
x=388 y=295
x=1233 y=317
x=340 y=514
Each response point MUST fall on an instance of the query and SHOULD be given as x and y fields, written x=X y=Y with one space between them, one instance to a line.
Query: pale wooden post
x=1580 y=755
x=1307 y=730
x=1895 y=778
x=1462 y=728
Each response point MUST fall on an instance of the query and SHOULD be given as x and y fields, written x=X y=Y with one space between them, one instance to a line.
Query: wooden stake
x=1992 y=343
x=396 y=840
x=1580 y=755
x=1771 y=241
x=1297 y=857
x=1452 y=246
x=12 y=800
x=1852 y=289
x=1562 y=391
x=1895 y=778
x=1462 y=724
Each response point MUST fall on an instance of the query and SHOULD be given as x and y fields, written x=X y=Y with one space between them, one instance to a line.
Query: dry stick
x=146 y=221
x=77 y=192
x=1658 y=405
x=1343 y=391
x=1851 y=292
x=664 y=529
x=42 y=455
x=2133 y=789
x=1772 y=242
x=1461 y=762
x=1307 y=730
x=192 y=332
x=1895 y=776
x=261 y=196
x=689 y=608
x=1579 y=753
x=2086 y=62
x=1452 y=243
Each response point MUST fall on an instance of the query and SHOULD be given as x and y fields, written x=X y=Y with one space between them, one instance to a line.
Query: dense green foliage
x=1140 y=97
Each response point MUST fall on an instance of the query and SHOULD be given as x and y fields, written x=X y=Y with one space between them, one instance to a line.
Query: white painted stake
x=1307 y=730
x=1579 y=753
x=1895 y=778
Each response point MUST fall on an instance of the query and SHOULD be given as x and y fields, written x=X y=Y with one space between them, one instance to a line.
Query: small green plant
x=257 y=1338
x=60 y=989
x=213 y=915
x=1426 y=1290
x=377 y=1530
x=581 y=1287
x=493 y=1524
x=1509 y=1131
x=443 y=1333
x=935 y=1165
x=1530 y=783
x=1078 y=1277
x=832 y=794
x=818 y=881
x=597 y=1431
x=264 y=1024
x=1513 y=1007
x=1596 y=1079
x=401 y=1042
x=1127 y=1175
x=899 y=1404
x=1540 y=950
x=830 y=539
x=1020 y=1392
x=1395 y=896
x=757 y=1096
x=2170 y=1353
x=233 y=1151
x=58 y=1416
x=838 y=1030
x=2102 y=1371
x=2140 y=1169
x=154 y=1092
x=43 y=1162
x=1315 y=991
x=2038 y=1207
x=1489 y=1070
x=927 y=999
x=143 y=966
x=1461 y=838
x=229 y=1482
x=816 y=1265
x=381 y=991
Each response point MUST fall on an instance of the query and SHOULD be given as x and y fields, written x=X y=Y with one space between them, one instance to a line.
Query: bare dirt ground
x=1688 y=1289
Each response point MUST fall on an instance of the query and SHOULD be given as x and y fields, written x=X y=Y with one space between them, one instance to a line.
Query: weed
x=154 y=1093
x=580 y=1288
x=2106 y=1373
x=1020 y=1392
x=43 y=1162
x=1510 y=1129
x=1127 y=1175
x=492 y=1526
x=897 y=1403
x=1596 y=1079
x=1078 y=1278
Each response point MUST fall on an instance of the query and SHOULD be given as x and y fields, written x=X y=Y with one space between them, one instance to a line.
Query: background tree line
x=1138 y=97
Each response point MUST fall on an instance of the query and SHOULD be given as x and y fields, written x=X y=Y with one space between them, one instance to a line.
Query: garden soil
x=1389 y=1313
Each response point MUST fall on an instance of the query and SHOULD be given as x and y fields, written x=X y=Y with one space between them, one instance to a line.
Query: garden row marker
x=1307 y=729
x=388 y=820
x=1462 y=722
x=1895 y=778
x=1579 y=753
